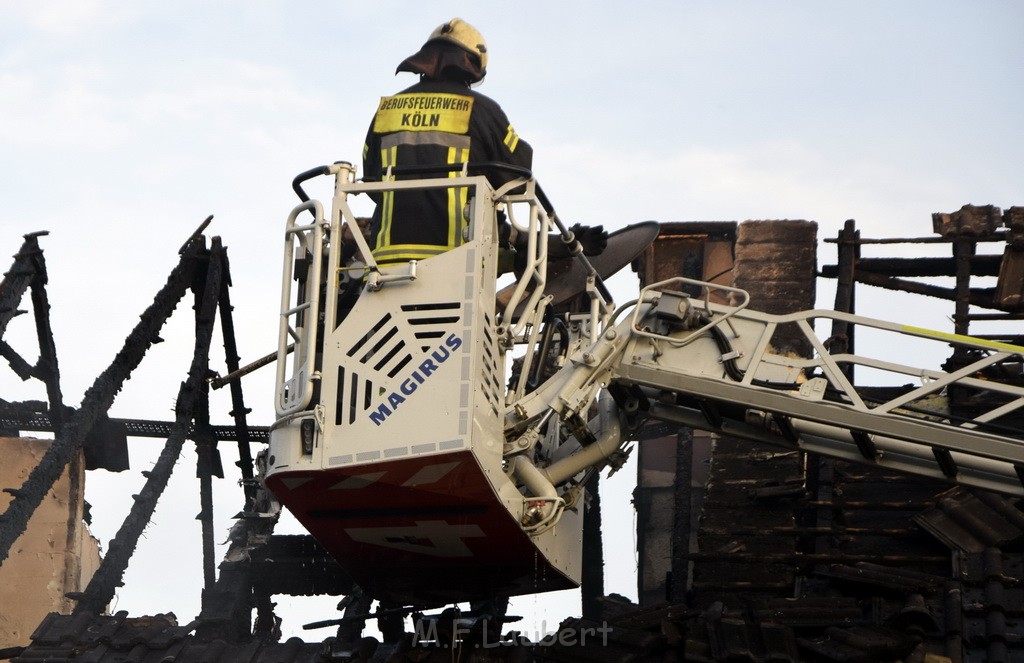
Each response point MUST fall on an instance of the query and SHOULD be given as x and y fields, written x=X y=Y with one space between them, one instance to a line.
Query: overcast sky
x=123 y=125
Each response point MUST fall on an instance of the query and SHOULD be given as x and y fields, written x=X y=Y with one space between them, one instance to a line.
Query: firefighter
x=441 y=121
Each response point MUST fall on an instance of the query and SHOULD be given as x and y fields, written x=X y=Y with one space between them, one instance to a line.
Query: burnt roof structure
x=748 y=553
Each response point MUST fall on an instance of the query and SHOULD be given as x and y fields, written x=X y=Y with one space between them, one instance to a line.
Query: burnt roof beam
x=96 y=403
x=981 y=297
x=981 y=265
x=17 y=280
x=47 y=367
x=26 y=419
x=108 y=577
x=238 y=408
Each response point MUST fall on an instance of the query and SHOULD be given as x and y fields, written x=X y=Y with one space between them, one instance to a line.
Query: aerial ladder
x=437 y=421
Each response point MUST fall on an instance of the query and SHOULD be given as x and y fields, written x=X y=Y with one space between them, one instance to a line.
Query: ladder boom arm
x=717 y=367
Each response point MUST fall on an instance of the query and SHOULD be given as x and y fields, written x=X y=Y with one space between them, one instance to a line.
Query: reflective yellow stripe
x=457 y=197
x=463 y=201
x=387 y=159
x=403 y=252
x=453 y=155
x=511 y=139
x=959 y=338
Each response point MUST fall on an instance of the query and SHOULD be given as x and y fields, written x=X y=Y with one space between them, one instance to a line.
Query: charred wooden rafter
x=97 y=401
x=107 y=578
x=34 y=416
x=244 y=434
x=17 y=280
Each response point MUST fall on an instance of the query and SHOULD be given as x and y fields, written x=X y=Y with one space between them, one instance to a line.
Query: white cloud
x=65 y=17
x=65 y=109
x=772 y=180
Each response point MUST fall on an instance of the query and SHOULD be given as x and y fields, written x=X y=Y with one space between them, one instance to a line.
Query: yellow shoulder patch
x=424 y=112
x=511 y=139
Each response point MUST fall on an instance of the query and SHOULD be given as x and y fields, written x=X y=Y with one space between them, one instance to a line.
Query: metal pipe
x=607 y=429
x=533 y=478
x=238 y=373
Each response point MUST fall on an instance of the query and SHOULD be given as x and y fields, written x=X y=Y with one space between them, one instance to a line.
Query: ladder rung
x=300 y=307
x=865 y=444
x=711 y=413
x=946 y=462
x=787 y=429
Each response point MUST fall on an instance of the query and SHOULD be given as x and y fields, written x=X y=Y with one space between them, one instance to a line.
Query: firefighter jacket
x=432 y=123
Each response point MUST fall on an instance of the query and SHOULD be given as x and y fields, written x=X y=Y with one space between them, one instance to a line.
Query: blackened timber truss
x=843 y=546
x=228 y=601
